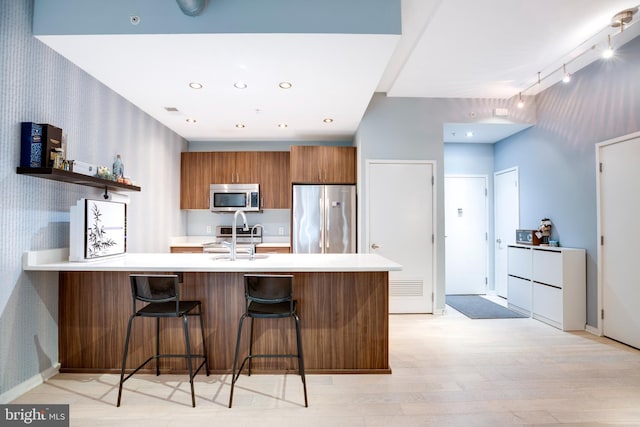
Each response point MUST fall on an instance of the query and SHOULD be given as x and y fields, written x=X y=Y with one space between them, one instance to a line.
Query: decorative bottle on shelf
x=118 y=168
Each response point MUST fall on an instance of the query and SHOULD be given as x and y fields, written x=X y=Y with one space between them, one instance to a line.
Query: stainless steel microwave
x=233 y=197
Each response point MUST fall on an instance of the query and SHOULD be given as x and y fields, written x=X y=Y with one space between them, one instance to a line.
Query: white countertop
x=56 y=260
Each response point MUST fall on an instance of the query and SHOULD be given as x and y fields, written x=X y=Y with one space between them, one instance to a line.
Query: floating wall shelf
x=76 y=178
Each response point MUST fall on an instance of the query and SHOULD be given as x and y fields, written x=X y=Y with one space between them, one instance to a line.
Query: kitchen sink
x=227 y=257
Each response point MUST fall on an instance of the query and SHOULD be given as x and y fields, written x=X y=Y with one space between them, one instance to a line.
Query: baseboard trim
x=33 y=382
x=592 y=330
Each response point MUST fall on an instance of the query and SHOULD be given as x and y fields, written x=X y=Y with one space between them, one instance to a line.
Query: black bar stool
x=268 y=297
x=162 y=295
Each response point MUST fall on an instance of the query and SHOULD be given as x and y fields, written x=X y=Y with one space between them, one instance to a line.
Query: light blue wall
x=38 y=85
x=556 y=158
x=475 y=159
x=412 y=129
x=220 y=16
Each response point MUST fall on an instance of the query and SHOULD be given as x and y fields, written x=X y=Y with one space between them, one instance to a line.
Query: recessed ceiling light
x=285 y=85
x=469 y=134
x=195 y=85
x=282 y=125
x=328 y=120
x=240 y=85
x=190 y=120
x=240 y=126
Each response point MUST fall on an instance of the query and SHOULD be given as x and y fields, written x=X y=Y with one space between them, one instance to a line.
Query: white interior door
x=506 y=217
x=400 y=228
x=619 y=204
x=466 y=233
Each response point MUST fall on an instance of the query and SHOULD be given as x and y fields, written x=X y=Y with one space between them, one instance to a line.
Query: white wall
x=40 y=86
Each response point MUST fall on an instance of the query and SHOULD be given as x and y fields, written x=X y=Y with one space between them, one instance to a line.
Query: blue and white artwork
x=106 y=228
x=98 y=229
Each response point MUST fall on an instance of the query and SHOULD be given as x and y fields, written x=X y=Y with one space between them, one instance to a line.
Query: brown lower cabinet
x=259 y=249
x=343 y=315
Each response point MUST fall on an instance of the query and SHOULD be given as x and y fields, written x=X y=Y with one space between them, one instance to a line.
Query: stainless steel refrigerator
x=324 y=219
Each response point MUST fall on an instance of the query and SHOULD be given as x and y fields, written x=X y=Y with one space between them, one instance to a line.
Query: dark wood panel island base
x=344 y=320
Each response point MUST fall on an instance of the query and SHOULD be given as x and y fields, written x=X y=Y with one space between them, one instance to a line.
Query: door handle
x=374 y=246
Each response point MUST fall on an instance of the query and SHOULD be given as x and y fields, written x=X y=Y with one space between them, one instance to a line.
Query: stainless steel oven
x=243 y=237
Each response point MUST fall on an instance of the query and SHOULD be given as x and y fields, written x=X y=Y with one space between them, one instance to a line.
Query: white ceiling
x=450 y=49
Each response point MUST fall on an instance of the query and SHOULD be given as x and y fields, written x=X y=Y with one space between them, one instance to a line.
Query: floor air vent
x=406 y=288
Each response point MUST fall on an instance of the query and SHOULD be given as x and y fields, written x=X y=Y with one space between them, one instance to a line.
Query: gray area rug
x=477 y=307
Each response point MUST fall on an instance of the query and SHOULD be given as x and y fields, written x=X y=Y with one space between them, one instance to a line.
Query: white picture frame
x=98 y=229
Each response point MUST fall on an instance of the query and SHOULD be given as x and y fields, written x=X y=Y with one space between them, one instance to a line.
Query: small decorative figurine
x=544 y=231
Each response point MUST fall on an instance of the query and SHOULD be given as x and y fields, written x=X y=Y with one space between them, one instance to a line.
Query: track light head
x=567 y=77
x=608 y=52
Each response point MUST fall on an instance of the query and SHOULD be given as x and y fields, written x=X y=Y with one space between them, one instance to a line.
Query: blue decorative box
x=31 y=148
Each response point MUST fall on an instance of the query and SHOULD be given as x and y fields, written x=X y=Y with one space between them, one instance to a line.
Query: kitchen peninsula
x=342 y=300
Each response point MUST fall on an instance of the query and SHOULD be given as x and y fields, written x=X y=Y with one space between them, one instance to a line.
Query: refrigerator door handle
x=327 y=221
x=322 y=219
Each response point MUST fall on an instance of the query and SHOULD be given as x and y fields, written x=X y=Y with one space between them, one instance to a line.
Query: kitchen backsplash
x=274 y=221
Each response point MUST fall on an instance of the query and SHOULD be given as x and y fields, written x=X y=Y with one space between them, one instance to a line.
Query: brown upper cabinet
x=196 y=174
x=323 y=165
x=270 y=169
x=274 y=179
x=235 y=167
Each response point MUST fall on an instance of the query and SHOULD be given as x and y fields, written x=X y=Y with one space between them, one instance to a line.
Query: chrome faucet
x=234 y=236
x=252 y=248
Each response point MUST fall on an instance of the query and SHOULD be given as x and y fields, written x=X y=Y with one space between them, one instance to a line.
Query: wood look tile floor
x=447 y=371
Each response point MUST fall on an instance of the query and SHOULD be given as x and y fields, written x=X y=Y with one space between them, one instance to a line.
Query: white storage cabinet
x=519 y=279
x=552 y=288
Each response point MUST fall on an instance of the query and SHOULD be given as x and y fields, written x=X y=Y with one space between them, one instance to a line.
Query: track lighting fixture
x=619 y=21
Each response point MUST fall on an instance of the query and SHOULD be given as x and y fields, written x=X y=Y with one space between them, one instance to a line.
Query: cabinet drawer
x=547 y=267
x=519 y=293
x=273 y=249
x=186 y=249
x=547 y=303
x=519 y=262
